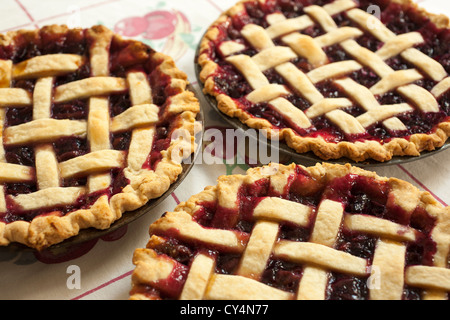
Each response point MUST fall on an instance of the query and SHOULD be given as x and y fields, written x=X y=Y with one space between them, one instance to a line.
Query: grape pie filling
x=329 y=77
x=289 y=232
x=87 y=120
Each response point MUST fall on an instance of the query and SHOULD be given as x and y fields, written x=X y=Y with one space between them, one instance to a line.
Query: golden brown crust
x=440 y=20
x=403 y=194
x=322 y=173
x=359 y=151
x=145 y=184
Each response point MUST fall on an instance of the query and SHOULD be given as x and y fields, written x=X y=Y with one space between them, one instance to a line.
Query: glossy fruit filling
x=229 y=81
x=122 y=61
x=359 y=195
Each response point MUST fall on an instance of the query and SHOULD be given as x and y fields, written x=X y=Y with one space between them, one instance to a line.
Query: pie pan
x=90 y=234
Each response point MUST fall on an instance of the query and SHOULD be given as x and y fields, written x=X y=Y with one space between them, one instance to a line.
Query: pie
x=292 y=232
x=87 y=119
x=330 y=78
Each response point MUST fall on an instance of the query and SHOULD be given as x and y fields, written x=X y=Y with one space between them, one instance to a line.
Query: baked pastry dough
x=294 y=232
x=349 y=85
x=87 y=119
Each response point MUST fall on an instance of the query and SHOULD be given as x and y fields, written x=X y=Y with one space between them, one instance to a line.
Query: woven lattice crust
x=301 y=83
x=289 y=232
x=117 y=67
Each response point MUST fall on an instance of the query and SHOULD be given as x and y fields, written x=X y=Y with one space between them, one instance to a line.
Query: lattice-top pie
x=87 y=119
x=327 y=76
x=290 y=232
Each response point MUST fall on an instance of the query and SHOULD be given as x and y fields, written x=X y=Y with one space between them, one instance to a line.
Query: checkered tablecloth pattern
x=106 y=265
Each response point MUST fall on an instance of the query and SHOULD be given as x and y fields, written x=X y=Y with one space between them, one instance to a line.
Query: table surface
x=103 y=267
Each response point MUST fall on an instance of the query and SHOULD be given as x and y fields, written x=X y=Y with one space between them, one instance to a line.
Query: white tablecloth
x=105 y=266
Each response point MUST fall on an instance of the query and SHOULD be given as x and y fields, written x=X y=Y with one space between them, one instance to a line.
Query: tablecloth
x=101 y=269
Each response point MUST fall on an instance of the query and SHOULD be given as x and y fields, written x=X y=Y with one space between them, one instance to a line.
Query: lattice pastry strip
x=100 y=158
x=355 y=90
x=47 y=169
x=320 y=255
x=98 y=117
x=414 y=56
x=328 y=221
